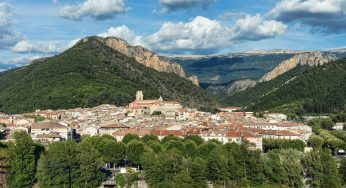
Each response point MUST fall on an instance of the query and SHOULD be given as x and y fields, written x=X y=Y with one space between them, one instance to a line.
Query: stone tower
x=139 y=96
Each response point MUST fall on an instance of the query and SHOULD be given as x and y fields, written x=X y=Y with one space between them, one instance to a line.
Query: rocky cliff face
x=307 y=58
x=144 y=56
x=241 y=85
x=193 y=79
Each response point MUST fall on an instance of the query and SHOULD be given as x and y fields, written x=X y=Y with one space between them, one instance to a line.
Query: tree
x=128 y=137
x=134 y=151
x=331 y=177
x=182 y=179
x=90 y=166
x=197 y=139
x=276 y=171
x=205 y=149
x=312 y=164
x=291 y=161
x=153 y=168
x=198 y=173
x=343 y=170
x=169 y=138
x=316 y=141
x=150 y=137
x=191 y=149
x=22 y=159
x=120 y=180
x=59 y=166
x=217 y=167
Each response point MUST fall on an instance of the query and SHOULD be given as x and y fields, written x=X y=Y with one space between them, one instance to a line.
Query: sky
x=31 y=29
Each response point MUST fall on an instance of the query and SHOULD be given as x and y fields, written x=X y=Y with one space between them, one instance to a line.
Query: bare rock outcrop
x=193 y=79
x=145 y=56
x=307 y=58
x=241 y=85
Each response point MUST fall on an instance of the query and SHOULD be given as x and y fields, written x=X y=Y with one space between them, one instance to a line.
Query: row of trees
x=172 y=162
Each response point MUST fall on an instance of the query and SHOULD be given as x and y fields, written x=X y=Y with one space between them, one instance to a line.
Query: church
x=148 y=107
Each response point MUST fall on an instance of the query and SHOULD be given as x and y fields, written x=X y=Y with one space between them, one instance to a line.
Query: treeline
x=172 y=162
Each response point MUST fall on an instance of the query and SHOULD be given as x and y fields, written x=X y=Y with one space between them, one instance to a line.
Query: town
x=157 y=117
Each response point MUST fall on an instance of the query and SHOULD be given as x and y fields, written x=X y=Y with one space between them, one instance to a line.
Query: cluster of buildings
x=157 y=117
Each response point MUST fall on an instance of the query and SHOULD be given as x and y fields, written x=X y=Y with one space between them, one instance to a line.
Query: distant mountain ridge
x=303 y=89
x=314 y=58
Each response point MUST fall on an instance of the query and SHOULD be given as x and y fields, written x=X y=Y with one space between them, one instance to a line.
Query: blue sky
x=37 y=28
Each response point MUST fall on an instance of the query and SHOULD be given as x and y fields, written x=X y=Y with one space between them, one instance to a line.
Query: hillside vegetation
x=90 y=74
x=320 y=89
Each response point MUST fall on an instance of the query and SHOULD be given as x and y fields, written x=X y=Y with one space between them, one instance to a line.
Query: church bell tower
x=139 y=96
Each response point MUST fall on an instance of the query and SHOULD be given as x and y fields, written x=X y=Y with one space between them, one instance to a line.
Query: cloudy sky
x=31 y=29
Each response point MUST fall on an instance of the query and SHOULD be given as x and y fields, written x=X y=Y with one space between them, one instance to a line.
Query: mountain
x=89 y=74
x=303 y=89
x=218 y=73
x=307 y=58
x=144 y=56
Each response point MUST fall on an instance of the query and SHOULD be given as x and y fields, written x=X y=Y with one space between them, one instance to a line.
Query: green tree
x=291 y=161
x=182 y=179
x=22 y=159
x=316 y=141
x=59 y=166
x=217 y=167
x=197 y=139
x=312 y=164
x=129 y=137
x=330 y=173
x=198 y=173
x=90 y=166
x=343 y=170
x=134 y=150
x=169 y=138
x=150 y=137
x=120 y=180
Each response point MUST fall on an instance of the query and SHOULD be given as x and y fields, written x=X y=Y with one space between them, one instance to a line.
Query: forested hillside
x=90 y=74
x=320 y=89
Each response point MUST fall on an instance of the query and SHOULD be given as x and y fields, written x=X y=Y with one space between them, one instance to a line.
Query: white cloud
x=201 y=34
x=172 y=5
x=97 y=9
x=122 y=32
x=72 y=43
x=8 y=35
x=329 y=15
x=21 y=60
x=256 y=28
x=25 y=46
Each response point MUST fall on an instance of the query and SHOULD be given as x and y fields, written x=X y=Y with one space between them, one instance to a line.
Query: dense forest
x=174 y=162
x=89 y=74
x=320 y=89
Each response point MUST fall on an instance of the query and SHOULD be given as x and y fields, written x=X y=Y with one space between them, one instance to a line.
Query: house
x=339 y=126
x=109 y=129
x=47 y=138
x=219 y=135
x=46 y=128
x=239 y=136
x=276 y=116
x=163 y=133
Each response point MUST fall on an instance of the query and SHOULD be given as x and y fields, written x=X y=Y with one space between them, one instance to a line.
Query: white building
x=43 y=129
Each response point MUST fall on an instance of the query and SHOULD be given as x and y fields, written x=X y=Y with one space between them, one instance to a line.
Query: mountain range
x=109 y=70
x=96 y=71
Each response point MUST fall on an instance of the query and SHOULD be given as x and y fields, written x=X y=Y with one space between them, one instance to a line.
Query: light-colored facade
x=148 y=107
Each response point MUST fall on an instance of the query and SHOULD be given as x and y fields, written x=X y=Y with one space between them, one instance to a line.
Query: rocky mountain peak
x=306 y=58
x=144 y=56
